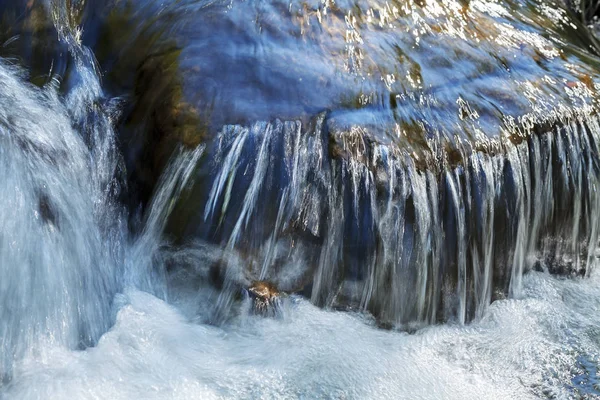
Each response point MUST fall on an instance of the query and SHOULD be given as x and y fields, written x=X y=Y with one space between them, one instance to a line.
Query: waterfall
x=411 y=240
x=65 y=247
x=58 y=242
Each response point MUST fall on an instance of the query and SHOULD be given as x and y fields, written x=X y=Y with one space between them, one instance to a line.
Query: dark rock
x=143 y=64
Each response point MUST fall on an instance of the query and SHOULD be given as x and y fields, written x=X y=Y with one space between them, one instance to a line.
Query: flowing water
x=435 y=233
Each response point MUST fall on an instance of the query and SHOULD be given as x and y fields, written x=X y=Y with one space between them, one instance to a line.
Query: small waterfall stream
x=65 y=246
x=59 y=241
x=411 y=241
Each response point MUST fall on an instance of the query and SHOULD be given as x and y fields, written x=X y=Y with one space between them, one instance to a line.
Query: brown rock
x=265 y=295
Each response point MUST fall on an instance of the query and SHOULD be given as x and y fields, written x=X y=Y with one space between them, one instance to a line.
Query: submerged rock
x=265 y=297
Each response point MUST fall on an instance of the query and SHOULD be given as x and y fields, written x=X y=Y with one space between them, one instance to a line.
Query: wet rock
x=47 y=211
x=265 y=297
x=29 y=38
x=586 y=10
x=143 y=65
x=140 y=65
x=564 y=258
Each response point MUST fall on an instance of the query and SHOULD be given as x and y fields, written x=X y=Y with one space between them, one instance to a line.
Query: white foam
x=520 y=349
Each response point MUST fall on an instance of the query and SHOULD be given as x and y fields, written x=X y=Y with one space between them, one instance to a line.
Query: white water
x=65 y=250
x=520 y=349
x=57 y=247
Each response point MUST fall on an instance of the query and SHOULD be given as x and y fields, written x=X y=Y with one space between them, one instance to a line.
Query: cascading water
x=391 y=209
x=58 y=276
x=65 y=245
x=379 y=217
